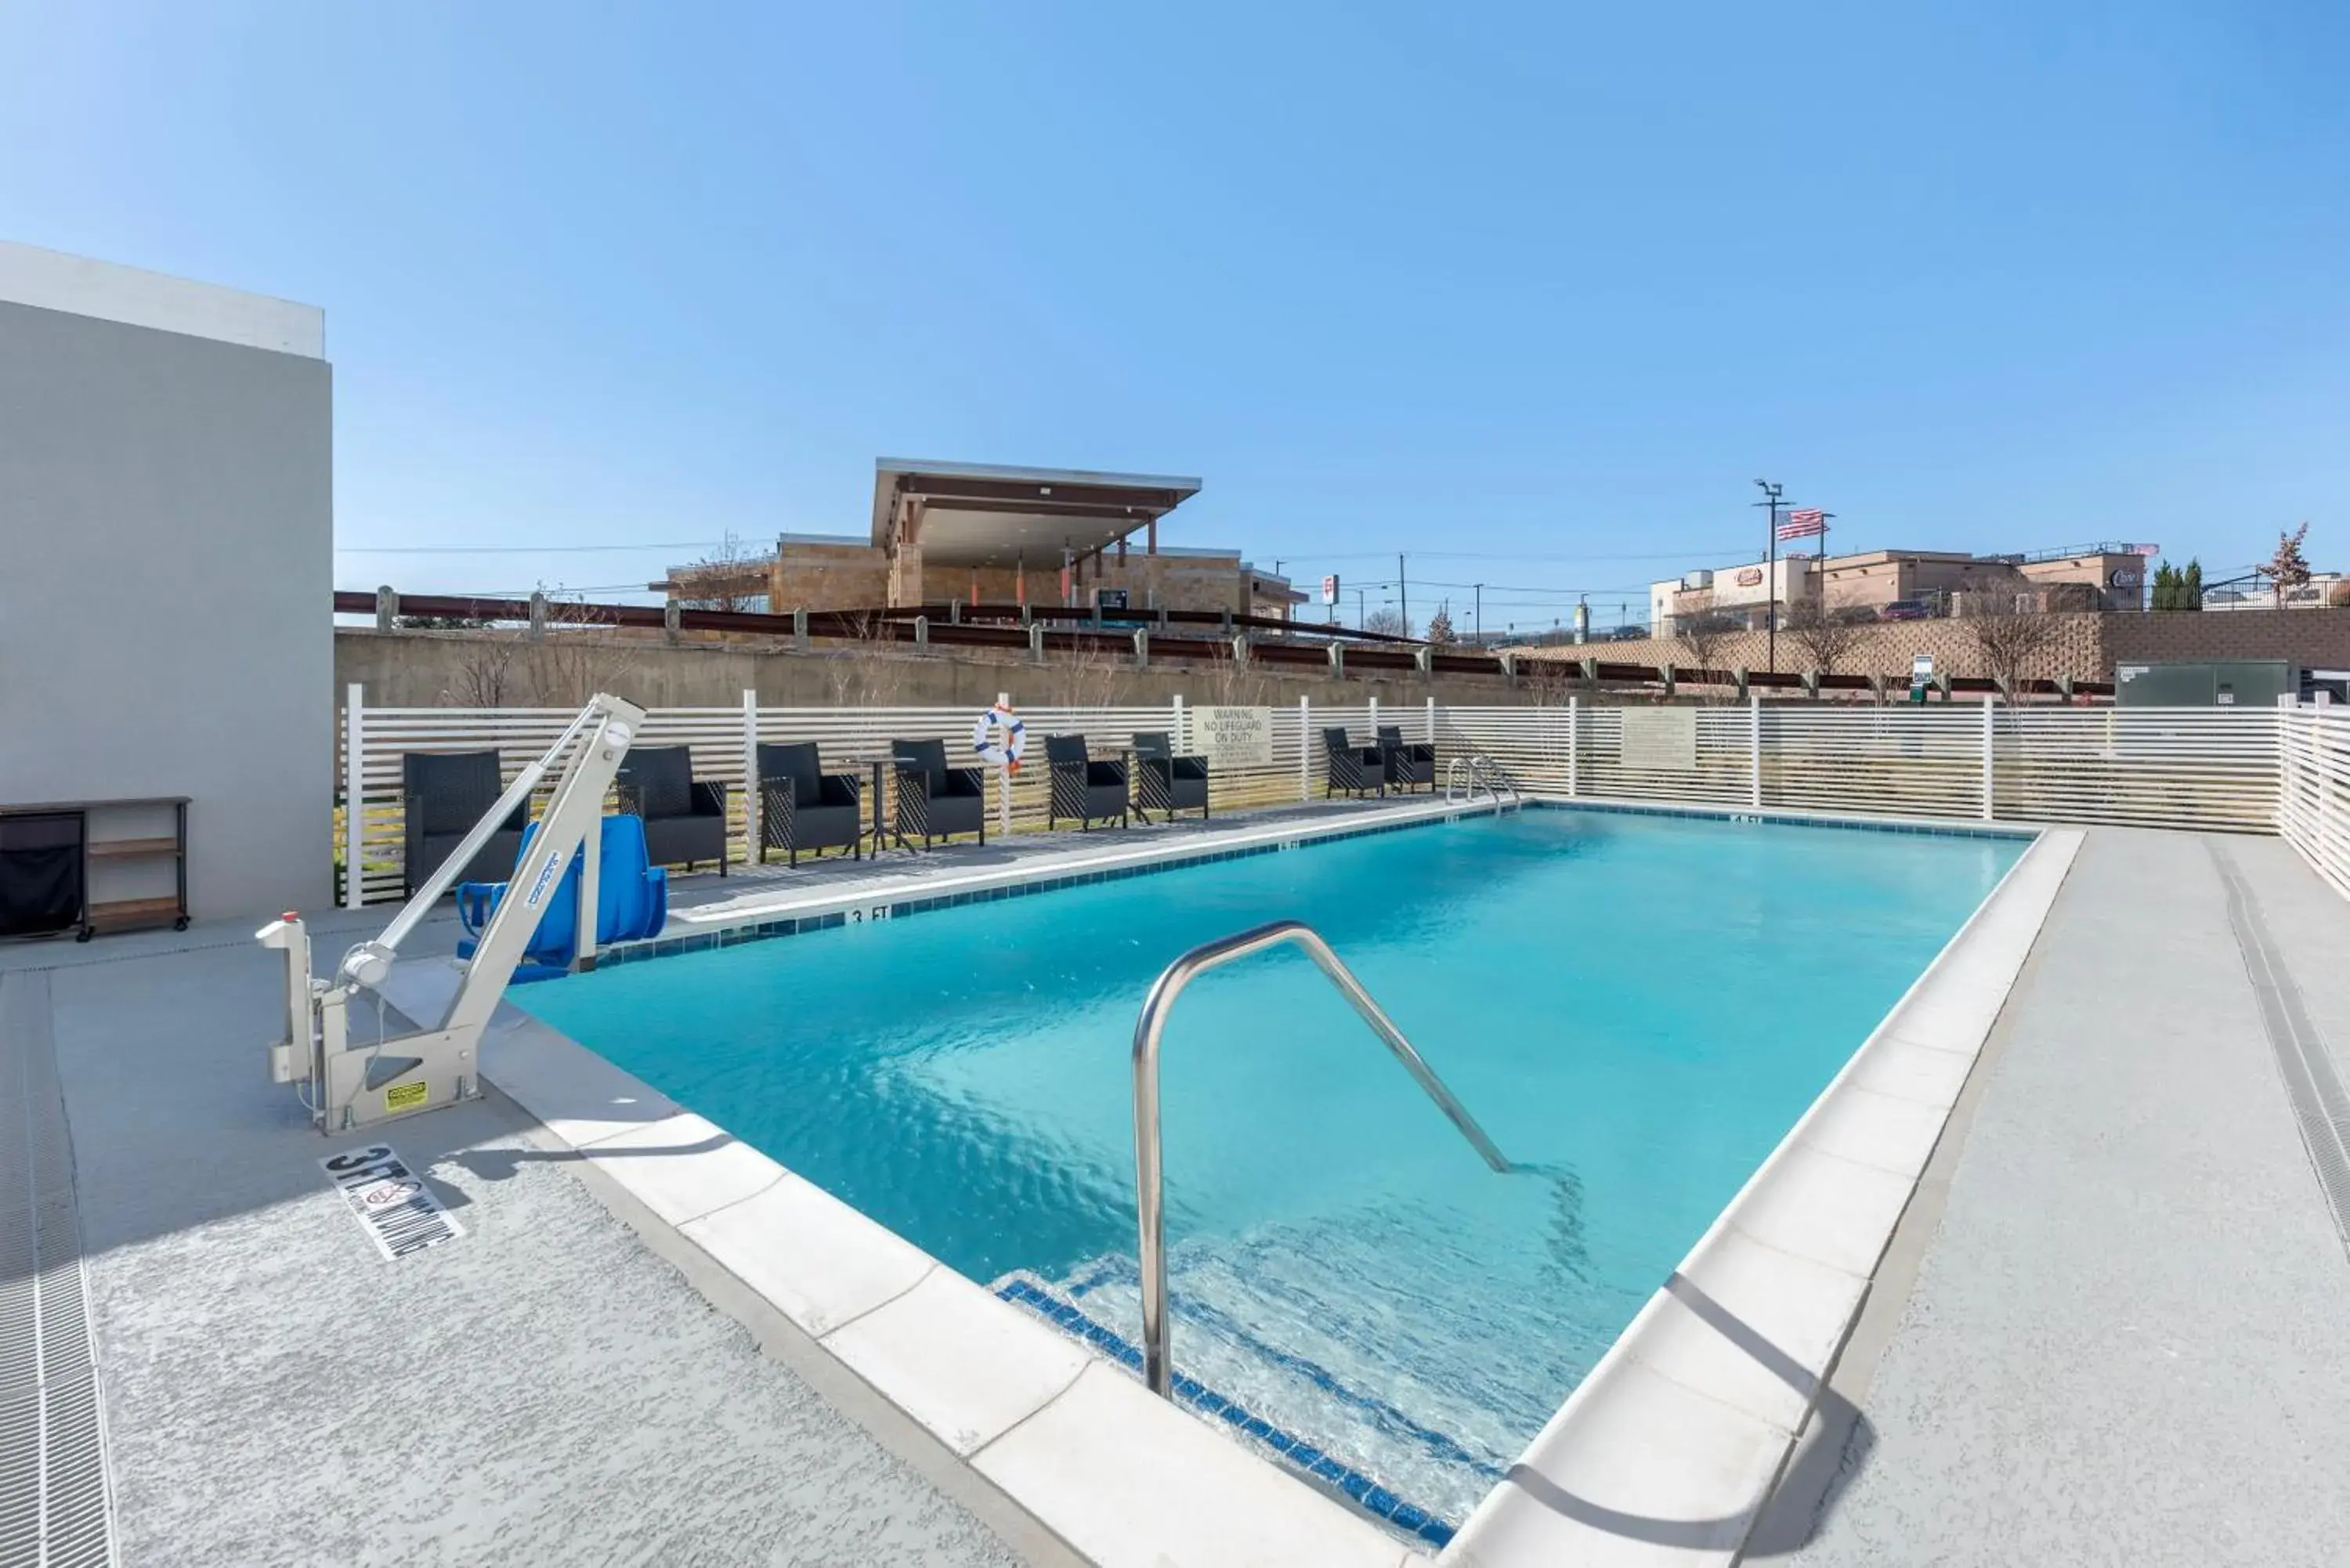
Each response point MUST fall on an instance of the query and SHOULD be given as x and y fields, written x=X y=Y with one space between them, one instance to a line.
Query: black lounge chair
x=1358 y=770
x=1083 y=788
x=933 y=799
x=803 y=807
x=1164 y=782
x=443 y=794
x=685 y=817
x=1408 y=763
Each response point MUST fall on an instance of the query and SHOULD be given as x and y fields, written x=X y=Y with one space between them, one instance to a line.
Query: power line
x=1702 y=551
x=519 y=549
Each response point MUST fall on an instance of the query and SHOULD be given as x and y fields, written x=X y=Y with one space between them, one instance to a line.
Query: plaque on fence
x=1230 y=737
x=1662 y=740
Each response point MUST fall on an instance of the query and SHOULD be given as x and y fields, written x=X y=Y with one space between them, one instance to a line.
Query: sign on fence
x=1233 y=737
x=1662 y=739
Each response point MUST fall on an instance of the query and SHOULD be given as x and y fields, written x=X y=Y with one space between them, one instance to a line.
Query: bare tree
x=866 y=674
x=1388 y=619
x=1829 y=636
x=728 y=578
x=2011 y=637
x=1087 y=676
x=484 y=671
x=1702 y=637
x=1440 y=624
x=1553 y=679
x=582 y=653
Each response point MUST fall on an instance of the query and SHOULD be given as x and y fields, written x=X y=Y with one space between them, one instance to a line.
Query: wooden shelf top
x=11 y=808
x=132 y=848
x=132 y=912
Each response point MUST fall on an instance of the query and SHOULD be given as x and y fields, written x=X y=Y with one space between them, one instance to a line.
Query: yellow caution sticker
x=403 y=1097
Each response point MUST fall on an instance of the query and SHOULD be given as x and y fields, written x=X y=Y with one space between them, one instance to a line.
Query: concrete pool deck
x=557 y=1386
x=2123 y=1340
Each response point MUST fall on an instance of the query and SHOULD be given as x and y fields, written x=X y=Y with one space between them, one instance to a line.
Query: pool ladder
x=1464 y=776
x=1149 y=1177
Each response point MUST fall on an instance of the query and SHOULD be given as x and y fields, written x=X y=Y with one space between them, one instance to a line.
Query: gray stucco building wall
x=166 y=562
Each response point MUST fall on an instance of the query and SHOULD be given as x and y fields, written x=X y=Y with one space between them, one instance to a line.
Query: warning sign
x=404 y=1096
x=394 y=1205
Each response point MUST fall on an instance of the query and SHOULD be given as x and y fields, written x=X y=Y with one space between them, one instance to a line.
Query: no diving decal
x=395 y=1207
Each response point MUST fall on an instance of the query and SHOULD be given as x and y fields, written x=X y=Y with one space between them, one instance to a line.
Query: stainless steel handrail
x=1477 y=768
x=1148 y=1180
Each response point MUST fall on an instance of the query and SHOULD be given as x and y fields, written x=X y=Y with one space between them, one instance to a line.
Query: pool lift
x=377 y=1079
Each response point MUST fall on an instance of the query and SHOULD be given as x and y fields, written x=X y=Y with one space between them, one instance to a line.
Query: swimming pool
x=1636 y=1007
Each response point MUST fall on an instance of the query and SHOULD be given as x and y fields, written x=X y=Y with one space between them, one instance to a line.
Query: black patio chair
x=801 y=806
x=1083 y=788
x=442 y=795
x=1164 y=782
x=1358 y=770
x=685 y=817
x=933 y=799
x=1408 y=763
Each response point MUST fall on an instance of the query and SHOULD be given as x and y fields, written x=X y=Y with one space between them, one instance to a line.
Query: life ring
x=1001 y=738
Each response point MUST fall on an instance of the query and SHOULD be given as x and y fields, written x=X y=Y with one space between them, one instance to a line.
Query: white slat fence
x=2244 y=770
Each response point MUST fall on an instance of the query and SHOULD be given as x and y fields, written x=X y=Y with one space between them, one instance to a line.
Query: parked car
x=1904 y=609
x=1630 y=634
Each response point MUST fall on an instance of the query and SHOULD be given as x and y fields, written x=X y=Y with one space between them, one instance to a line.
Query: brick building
x=998 y=535
x=2097 y=577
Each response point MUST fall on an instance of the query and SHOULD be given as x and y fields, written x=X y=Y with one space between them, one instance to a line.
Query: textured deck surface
x=2125 y=1340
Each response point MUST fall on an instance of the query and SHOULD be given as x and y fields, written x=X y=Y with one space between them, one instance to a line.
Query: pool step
x=1333 y=1474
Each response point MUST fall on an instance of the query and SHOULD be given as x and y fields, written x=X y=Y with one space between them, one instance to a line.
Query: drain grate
x=54 y=1508
x=2314 y=1088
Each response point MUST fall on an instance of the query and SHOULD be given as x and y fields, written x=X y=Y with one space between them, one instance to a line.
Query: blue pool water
x=1636 y=1007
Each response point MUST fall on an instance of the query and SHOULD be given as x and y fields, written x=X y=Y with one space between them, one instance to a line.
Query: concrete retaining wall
x=429 y=669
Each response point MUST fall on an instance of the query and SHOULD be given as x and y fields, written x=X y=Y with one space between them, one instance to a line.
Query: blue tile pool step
x=1024 y=1290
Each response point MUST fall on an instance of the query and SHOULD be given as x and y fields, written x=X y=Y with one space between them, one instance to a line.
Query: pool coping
x=1076 y=1443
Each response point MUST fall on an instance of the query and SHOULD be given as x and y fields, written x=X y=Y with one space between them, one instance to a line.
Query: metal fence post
x=1754 y=749
x=1991 y=711
x=1306 y=747
x=2322 y=779
x=1375 y=721
x=1182 y=742
x=755 y=805
x=354 y=808
x=2289 y=763
x=1574 y=742
x=1432 y=721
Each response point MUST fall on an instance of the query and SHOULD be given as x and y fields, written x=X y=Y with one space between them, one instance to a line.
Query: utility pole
x=1771 y=493
x=1403 y=595
x=1480 y=612
x=1361 y=617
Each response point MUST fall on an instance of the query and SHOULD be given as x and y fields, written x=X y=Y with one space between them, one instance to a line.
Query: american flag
x=1804 y=523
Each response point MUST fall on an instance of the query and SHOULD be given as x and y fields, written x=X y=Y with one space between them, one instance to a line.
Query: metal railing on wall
x=2244 y=769
x=1207 y=637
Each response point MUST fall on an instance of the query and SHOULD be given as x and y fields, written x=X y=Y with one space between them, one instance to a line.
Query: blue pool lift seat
x=631 y=903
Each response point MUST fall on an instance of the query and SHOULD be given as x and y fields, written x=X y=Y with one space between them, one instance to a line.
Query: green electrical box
x=2227 y=683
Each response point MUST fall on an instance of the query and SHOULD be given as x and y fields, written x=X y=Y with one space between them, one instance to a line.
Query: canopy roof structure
x=981 y=515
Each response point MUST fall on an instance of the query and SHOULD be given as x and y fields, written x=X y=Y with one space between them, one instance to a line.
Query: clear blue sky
x=1528 y=293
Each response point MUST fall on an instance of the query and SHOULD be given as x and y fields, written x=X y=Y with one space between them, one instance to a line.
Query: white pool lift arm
x=438 y=1066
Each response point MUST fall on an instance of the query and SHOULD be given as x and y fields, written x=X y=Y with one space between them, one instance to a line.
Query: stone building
x=997 y=536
